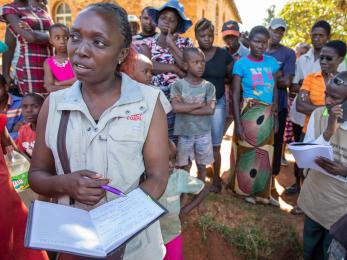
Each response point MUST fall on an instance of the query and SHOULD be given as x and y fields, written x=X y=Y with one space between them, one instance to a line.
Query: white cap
x=278 y=23
x=133 y=18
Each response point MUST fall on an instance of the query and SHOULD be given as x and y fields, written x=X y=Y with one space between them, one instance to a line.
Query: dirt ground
x=226 y=227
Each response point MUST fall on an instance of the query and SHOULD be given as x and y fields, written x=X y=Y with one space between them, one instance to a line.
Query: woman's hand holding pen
x=84 y=186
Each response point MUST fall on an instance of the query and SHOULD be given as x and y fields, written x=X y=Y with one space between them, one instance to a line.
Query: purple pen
x=112 y=189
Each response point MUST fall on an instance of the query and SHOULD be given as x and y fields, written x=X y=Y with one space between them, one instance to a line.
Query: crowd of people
x=105 y=103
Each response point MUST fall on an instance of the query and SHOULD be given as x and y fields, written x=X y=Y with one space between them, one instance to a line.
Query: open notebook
x=96 y=233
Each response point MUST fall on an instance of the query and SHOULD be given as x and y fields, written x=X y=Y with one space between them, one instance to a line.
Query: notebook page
x=118 y=220
x=60 y=228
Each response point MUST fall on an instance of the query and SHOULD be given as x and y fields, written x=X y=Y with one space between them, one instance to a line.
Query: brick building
x=218 y=11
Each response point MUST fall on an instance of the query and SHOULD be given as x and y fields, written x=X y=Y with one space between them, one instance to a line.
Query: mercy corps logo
x=136 y=117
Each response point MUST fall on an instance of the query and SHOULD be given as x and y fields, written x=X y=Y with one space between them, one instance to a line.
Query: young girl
x=116 y=127
x=179 y=182
x=31 y=105
x=58 y=69
x=255 y=122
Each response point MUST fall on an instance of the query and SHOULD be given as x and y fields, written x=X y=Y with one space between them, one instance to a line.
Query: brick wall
x=218 y=11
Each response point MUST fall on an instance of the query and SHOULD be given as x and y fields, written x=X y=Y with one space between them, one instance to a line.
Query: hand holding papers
x=305 y=155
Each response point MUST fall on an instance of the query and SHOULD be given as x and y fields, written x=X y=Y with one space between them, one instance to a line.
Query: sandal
x=273 y=202
x=251 y=200
x=297 y=211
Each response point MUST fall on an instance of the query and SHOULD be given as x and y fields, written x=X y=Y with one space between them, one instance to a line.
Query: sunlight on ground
x=283 y=205
x=225 y=153
x=289 y=157
x=225 y=166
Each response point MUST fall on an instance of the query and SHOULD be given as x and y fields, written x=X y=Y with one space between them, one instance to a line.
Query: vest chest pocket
x=124 y=152
x=130 y=129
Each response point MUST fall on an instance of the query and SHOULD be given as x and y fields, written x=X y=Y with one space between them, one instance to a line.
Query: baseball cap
x=278 y=23
x=231 y=28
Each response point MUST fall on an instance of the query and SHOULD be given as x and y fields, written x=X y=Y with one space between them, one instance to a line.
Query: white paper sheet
x=64 y=228
x=118 y=220
x=306 y=154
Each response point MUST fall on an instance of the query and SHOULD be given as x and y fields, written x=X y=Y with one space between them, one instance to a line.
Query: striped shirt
x=29 y=68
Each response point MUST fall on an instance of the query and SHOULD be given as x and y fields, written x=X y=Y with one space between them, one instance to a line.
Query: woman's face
x=258 y=45
x=205 y=39
x=329 y=60
x=94 y=47
x=167 y=20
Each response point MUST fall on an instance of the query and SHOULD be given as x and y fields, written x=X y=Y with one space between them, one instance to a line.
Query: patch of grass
x=248 y=239
x=213 y=197
x=290 y=238
x=255 y=241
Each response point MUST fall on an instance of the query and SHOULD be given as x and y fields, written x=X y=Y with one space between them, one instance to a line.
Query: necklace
x=60 y=65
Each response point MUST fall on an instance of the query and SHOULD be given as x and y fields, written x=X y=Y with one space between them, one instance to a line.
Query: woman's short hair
x=58 y=25
x=338 y=46
x=119 y=18
x=39 y=99
x=259 y=30
x=203 y=24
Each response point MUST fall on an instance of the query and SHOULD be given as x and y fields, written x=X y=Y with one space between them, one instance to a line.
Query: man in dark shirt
x=147 y=25
x=286 y=60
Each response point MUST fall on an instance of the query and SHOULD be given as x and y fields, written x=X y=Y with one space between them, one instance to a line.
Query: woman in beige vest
x=116 y=130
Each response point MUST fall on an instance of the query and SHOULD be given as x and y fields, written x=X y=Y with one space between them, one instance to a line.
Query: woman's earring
x=120 y=62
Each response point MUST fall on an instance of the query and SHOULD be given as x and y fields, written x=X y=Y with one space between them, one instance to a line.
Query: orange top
x=314 y=83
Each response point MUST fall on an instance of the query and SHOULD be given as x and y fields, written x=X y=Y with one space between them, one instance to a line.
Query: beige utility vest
x=323 y=198
x=112 y=147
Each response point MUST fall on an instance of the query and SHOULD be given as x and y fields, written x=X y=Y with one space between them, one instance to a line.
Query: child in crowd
x=139 y=67
x=31 y=105
x=58 y=69
x=11 y=106
x=193 y=100
x=179 y=182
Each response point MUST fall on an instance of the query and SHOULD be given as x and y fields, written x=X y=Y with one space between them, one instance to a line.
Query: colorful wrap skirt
x=251 y=159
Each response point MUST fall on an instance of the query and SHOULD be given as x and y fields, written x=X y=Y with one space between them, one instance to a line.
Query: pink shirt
x=61 y=72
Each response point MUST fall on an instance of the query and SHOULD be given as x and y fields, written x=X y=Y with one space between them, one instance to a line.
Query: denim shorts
x=218 y=121
x=195 y=147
